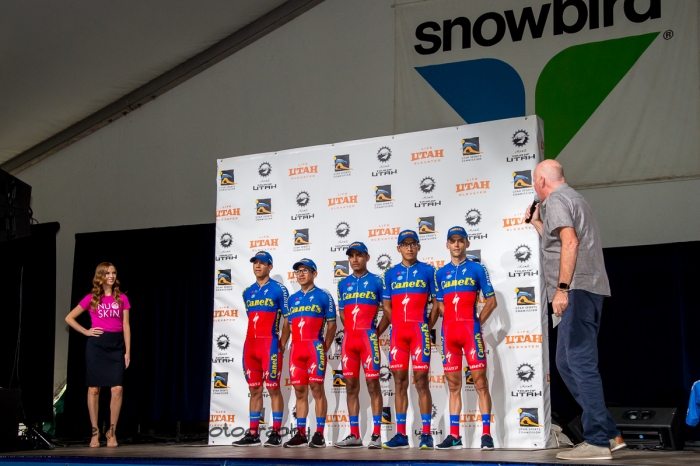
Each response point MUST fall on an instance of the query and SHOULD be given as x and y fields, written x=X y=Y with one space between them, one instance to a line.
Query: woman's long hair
x=98 y=291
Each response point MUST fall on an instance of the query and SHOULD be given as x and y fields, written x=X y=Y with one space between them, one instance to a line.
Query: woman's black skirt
x=104 y=360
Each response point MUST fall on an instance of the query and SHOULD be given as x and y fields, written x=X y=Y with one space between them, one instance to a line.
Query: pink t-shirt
x=109 y=315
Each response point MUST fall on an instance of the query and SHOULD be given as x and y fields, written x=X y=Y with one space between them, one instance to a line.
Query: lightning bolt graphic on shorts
x=472 y=352
x=312 y=367
x=354 y=315
x=405 y=301
x=393 y=353
x=345 y=360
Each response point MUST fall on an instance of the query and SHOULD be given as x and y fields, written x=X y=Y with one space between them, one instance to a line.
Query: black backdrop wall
x=35 y=255
x=648 y=343
x=168 y=274
x=649 y=352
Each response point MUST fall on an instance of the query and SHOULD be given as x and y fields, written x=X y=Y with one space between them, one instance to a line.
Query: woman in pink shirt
x=107 y=353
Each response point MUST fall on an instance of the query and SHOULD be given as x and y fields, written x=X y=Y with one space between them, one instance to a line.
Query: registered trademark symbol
x=668 y=34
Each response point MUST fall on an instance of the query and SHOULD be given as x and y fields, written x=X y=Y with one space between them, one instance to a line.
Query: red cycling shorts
x=462 y=337
x=262 y=360
x=307 y=362
x=410 y=341
x=360 y=347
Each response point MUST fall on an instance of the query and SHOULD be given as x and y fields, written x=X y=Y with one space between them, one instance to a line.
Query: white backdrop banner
x=477 y=176
x=616 y=83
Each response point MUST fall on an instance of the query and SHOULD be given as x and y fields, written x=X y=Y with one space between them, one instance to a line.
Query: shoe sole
x=244 y=446
x=296 y=446
x=453 y=447
x=403 y=447
x=374 y=447
x=267 y=445
x=488 y=448
x=619 y=447
x=425 y=447
x=348 y=446
x=311 y=445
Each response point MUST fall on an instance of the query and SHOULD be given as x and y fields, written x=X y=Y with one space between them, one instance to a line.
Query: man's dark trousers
x=577 y=361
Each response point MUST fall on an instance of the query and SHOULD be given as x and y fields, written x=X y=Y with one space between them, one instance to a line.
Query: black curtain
x=168 y=275
x=648 y=345
x=31 y=261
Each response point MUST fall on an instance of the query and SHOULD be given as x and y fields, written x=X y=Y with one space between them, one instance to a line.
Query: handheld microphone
x=532 y=208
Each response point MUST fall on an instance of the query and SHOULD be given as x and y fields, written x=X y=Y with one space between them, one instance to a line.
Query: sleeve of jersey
x=386 y=285
x=284 y=305
x=285 y=311
x=244 y=300
x=330 y=308
x=379 y=284
x=431 y=281
x=439 y=295
x=485 y=281
x=340 y=299
x=693 y=415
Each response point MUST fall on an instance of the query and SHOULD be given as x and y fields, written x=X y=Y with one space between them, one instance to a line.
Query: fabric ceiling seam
x=161 y=84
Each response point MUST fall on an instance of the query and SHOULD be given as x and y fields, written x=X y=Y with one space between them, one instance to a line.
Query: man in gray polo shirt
x=572 y=258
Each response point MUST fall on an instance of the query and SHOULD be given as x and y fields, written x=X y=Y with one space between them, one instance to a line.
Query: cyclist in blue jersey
x=359 y=296
x=265 y=302
x=458 y=285
x=311 y=313
x=409 y=287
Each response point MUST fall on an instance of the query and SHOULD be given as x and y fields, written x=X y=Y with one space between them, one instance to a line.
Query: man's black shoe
x=317 y=441
x=274 y=440
x=299 y=440
x=249 y=440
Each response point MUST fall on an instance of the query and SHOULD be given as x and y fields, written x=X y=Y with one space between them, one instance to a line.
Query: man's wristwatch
x=564 y=287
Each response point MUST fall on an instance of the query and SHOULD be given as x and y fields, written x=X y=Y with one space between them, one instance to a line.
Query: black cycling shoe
x=299 y=440
x=249 y=440
x=274 y=440
x=317 y=441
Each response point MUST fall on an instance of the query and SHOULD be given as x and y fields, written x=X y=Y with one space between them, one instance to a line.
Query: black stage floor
x=183 y=454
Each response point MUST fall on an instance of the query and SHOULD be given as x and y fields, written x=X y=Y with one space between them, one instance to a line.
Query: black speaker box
x=650 y=427
x=9 y=419
x=15 y=211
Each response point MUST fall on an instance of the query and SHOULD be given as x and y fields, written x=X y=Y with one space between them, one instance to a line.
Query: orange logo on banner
x=227 y=213
x=427 y=155
x=221 y=313
x=513 y=222
x=473 y=418
x=383 y=232
x=304 y=171
x=434 y=263
x=222 y=418
x=341 y=201
x=475 y=185
x=264 y=243
x=524 y=339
